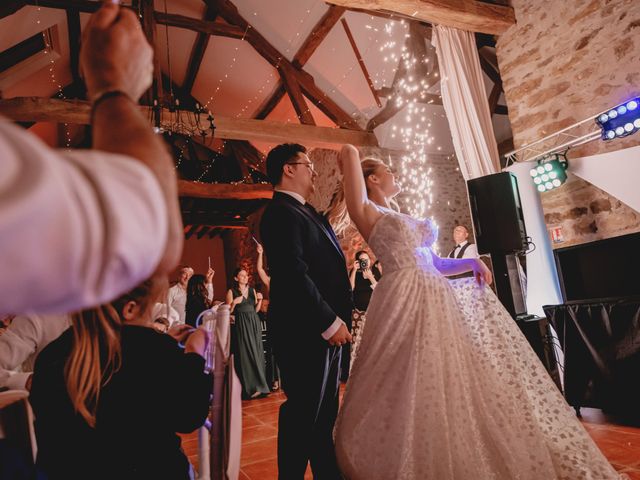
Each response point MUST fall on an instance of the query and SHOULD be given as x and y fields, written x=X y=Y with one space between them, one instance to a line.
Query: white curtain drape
x=465 y=102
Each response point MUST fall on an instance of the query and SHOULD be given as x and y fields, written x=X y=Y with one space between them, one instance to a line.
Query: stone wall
x=580 y=212
x=562 y=62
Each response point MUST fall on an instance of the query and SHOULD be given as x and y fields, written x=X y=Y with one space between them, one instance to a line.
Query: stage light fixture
x=621 y=120
x=550 y=172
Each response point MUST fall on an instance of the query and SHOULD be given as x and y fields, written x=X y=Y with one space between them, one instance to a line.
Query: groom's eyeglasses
x=307 y=164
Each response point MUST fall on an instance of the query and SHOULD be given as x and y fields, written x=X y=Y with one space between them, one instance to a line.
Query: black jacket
x=309 y=281
x=158 y=391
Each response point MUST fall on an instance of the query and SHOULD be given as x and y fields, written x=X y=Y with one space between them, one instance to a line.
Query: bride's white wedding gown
x=445 y=386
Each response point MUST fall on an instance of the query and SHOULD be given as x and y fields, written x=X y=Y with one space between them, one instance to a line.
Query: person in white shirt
x=20 y=344
x=108 y=218
x=463 y=248
x=177 y=295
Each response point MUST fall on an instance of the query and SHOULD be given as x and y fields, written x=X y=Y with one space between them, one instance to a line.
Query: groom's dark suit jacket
x=309 y=281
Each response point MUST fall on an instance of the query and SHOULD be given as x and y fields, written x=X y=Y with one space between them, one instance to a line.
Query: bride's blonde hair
x=336 y=213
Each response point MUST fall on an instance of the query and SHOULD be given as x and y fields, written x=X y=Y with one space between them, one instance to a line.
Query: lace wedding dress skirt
x=446 y=387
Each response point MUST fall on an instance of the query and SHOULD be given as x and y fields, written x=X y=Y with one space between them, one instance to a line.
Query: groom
x=311 y=300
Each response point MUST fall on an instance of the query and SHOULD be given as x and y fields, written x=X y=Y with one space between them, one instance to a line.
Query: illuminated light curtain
x=465 y=102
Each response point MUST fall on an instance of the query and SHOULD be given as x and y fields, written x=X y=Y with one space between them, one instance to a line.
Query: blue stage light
x=621 y=120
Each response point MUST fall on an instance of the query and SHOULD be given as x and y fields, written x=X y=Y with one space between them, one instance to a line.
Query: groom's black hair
x=279 y=156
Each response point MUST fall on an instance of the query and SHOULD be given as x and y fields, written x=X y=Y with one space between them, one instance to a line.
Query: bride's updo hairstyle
x=336 y=213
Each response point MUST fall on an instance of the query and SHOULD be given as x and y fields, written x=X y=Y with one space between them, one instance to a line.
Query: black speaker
x=497 y=213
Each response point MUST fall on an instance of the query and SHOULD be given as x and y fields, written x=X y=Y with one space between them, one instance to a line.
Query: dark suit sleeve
x=282 y=233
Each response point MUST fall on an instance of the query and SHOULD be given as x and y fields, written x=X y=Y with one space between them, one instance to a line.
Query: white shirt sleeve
x=76 y=228
x=331 y=331
x=25 y=337
x=210 y=291
x=471 y=251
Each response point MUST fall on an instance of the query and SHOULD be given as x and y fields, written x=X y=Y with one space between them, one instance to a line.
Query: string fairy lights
x=412 y=125
x=49 y=50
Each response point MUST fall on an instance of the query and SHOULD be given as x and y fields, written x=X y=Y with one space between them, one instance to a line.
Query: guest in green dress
x=246 y=336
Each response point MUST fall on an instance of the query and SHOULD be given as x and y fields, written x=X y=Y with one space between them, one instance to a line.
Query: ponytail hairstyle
x=96 y=353
x=336 y=213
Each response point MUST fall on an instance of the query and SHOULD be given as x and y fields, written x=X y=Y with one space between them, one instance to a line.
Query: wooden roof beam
x=230 y=13
x=149 y=27
x=471 y=15
x=197 y=53
x=298 y=101
x=201 y=26
x=212 y=220
x=189 y=230
x=317 y=35
x=169 y=19
x=27 y=109
x=490 y=69
x=310 y=45
x=203 y=231
x=270 y=102
x=225 y=191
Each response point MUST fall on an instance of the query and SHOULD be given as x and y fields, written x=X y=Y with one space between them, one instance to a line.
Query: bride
x=444 y=385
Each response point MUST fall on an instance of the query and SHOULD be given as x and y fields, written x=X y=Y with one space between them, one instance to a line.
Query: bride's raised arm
x=361 y=209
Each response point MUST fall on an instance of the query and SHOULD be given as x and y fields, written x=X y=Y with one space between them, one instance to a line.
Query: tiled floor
x=620 y=444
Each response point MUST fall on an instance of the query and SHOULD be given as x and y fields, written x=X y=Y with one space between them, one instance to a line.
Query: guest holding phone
x=246 y=336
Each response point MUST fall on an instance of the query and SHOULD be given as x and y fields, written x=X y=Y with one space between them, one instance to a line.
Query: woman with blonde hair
x=110 y=394
x=374 y=171
x=445 y=386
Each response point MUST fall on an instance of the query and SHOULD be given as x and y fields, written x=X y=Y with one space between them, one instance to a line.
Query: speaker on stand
x=500 y=232
x=499 y=227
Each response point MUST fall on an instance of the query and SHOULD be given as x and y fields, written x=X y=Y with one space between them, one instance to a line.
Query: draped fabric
x=601 y=343
x=465 y=102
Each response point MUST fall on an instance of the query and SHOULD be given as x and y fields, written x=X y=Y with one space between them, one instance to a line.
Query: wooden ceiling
x=214 y=205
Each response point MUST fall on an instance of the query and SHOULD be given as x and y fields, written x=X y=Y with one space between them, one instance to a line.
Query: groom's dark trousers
x=309 y=289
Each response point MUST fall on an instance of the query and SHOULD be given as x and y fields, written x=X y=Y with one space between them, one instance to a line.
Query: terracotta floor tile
x=250 y=420
x=259 y=432
x=268 y=418
x=619 y=443
x=258 y=451
x=264 y=470
x=258 y=409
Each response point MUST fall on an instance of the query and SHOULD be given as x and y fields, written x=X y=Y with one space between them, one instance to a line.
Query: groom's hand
x=341 y=337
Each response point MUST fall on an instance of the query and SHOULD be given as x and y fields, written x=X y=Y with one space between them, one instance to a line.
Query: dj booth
x=599 y=324
x=600 y=339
